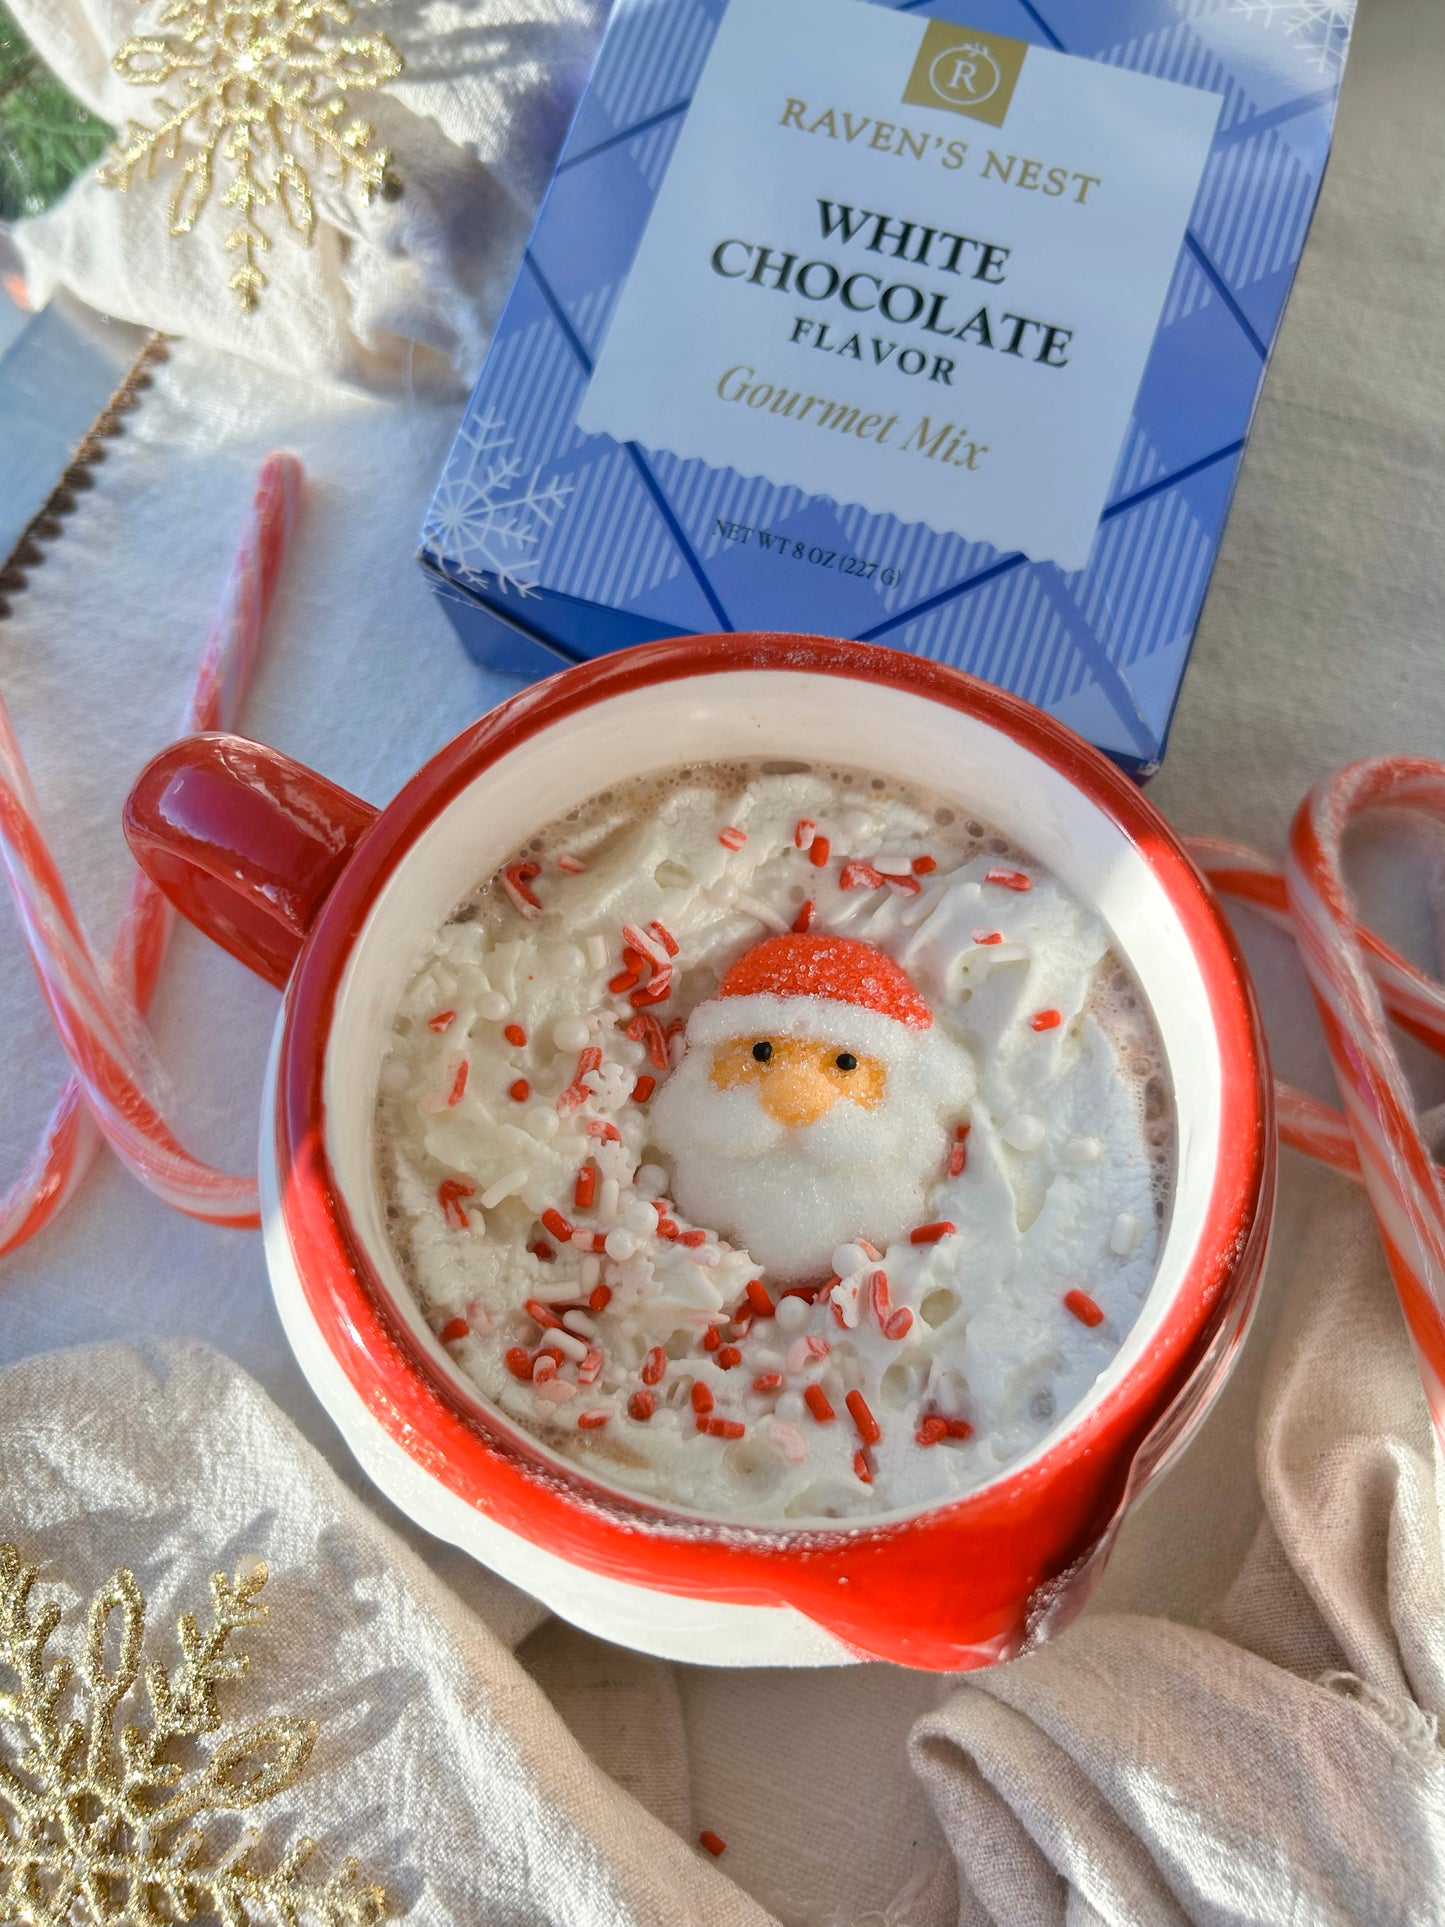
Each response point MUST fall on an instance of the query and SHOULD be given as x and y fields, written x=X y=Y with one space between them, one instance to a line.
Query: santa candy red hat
x=837 y=989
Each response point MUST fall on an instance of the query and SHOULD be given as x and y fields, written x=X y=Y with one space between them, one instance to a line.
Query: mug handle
x=245 y=842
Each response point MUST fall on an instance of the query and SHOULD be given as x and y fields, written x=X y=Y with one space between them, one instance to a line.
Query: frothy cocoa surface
x=665 y=1358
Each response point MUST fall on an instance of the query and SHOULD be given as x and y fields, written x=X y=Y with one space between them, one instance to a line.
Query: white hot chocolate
x=776 y=1142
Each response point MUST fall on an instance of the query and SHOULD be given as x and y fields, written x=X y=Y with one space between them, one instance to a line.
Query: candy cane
x=98 y=1021
x=1358 y=982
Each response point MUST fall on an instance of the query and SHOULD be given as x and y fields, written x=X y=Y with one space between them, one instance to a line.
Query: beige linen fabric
x=440 y=1764
x=1283 y=1766
x=394 y=294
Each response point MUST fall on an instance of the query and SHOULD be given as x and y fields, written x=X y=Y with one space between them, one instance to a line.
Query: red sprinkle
x=693 y=1238
x=818 y=851
x=643 y=1089
x=644 y=1029
x=641 y=1406
x=758 y=1298
x=958 y=1428
x=605 y=1129
x=1010 y=879
x=519 y=1091
x=767 y=1381
x=931 y=1431
x=518 y=1361
x=653 y=1366
x=861 y=1468
x=657 y=992
x=714 y=1842
x=732 y=838
x=452 y=1330
x=600 y=1298
x=515 y=878
x=728 y=1356
x=988 y=936
x=1084 y=1308
x=803 y=832
x=1046 y=1020
x=898 y=1324
x=514 y=1034
x=869 y=1430
x=589 y=1059
x=816 y=1400
x=624 y=980
x=540 y=1315
x=573 y=865
x=590 y=1369
x=803 y=922
x=929 y=1234
x=440 y=1021
x=450 y=1193
x=541 y=1249
x=458 y=1089
x=856 y=874
x=711 y=1339
x=591 y=1421
x=665 y=937
x=545 y=1368
x=958 y=1152
x=667 y=1228
x=585 y=1189
x=878 y=1296
x=557 y=1225
x=701 y=1397
x=924 y=865
x=725 y=1428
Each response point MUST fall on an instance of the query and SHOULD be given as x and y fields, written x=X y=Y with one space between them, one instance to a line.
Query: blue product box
x=939 y=326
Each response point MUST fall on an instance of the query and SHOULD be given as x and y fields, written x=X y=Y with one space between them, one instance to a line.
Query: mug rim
x=481 y=1454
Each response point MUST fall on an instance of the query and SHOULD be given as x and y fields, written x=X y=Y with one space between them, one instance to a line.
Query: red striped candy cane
x=98 y=1020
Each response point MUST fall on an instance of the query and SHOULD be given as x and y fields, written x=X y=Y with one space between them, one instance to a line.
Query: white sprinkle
x=894 y=866
x=1082 y=1150
x=650 y=1178
x=724 y=893
x=597 y=951
x=503 y=1188
x=788 y=1439
x=556 y=1391
x=1125 y=1236
x=763 y=914
x=581 y=1322
x=858 y=825
x=542 y=1122
x=590 y=1272
x=582 y=1240
x=621 y=1245
x=848 y=1259
x=567 y=1342
x=792 y=1314
x=493 y=1006
x=640 y=1217
x=607 y=1201
x=1023 y=1131
x=554 y=1292
x=763 y=1359
x=571 y=1033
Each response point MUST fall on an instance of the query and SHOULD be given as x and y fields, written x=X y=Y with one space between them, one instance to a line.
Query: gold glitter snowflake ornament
x=263 y=92
x=103 y=1823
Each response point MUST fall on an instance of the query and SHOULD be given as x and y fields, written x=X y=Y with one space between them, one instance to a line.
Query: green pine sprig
x=46 y=136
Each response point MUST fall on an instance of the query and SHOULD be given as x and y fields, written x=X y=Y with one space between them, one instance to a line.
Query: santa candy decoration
x=813 y=1103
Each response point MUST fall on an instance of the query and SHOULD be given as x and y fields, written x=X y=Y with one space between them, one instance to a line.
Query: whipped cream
x=536 y=1215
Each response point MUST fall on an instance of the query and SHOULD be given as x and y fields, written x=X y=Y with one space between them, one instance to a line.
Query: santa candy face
x=813 y=1103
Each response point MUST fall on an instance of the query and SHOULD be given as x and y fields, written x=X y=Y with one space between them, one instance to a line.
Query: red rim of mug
x=946 y=1587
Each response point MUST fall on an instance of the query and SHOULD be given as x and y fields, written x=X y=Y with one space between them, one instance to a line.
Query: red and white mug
x=323 y=894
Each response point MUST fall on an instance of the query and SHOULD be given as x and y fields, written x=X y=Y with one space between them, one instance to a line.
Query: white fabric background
x=1320 y=641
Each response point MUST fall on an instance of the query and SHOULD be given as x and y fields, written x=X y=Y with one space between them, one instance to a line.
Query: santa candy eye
x=762 y=1052
x=846 y=1061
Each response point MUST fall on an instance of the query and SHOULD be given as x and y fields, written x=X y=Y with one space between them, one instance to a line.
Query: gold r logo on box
x=966 y=71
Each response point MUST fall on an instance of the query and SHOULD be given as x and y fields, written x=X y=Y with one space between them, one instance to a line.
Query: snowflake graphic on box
x=1320 y=27
x=487 y=517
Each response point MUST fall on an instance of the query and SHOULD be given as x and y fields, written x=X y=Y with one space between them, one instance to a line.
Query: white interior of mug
x=891 y=731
